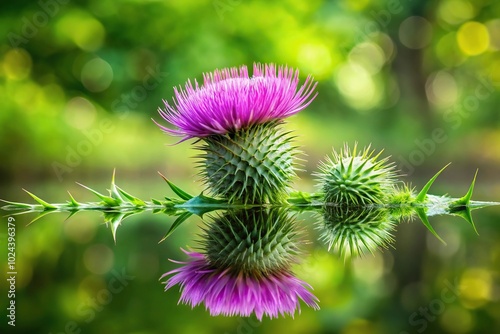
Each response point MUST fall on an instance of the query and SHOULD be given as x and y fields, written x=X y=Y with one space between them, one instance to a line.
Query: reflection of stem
x=119 y=204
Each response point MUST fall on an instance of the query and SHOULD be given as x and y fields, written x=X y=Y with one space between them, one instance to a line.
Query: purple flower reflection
x=230 y=294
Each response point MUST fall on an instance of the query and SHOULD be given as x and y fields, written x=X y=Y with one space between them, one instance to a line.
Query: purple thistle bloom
x=236 y=294
x=230 y=100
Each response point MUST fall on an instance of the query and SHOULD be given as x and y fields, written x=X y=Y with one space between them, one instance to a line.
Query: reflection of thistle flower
x=245 y=267
x=349 y=178
x=252 y=241
x=351 y=231
x=247 y=156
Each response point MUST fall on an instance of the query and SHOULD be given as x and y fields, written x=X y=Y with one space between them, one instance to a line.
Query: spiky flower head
x=352 y=231
x=252 y=165
x=356 y=178
x=247 y=157
x=244 y=267
x=230 y=100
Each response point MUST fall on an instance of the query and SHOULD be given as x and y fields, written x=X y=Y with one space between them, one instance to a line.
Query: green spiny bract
x=349 y=178
x=350 y=231
x=250 y=166
x=400 y=202
x=254 y=241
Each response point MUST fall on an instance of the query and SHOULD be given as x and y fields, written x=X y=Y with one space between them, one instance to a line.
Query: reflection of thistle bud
x=351 y=231
x=349 y=178
x=244 y=267
x=248 y=157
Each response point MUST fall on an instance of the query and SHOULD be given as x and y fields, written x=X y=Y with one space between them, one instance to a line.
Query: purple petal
x=230 y=100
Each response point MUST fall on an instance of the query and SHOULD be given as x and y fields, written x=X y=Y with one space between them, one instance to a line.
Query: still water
x=348 y=269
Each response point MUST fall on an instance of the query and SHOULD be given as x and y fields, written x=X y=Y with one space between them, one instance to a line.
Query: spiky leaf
x=421 y=197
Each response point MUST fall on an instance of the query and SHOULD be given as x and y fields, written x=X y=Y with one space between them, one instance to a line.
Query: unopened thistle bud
x=352 y=178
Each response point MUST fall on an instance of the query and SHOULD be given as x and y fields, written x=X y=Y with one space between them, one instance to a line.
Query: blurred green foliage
x=80 y=80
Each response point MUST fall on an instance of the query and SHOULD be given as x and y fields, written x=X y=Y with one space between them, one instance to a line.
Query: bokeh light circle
x=473 y=38
x=415 y=32
x=98 y=259
x=80 y=113
x=96 y=75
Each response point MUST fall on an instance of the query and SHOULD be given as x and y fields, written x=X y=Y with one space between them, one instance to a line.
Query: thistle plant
x=247 y=157
x=247 y=163
x=350 y=177
x=244 y=267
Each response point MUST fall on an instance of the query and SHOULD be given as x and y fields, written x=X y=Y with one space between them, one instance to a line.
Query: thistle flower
x=247 y=157
x=230 y=100
x=244 y=267
x=352 y=178
x=350 y=231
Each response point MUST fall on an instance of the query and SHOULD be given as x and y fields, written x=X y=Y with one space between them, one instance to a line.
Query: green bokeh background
x=81 y=80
